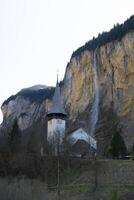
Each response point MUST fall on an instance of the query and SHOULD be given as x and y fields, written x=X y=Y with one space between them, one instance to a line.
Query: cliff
x=27 y=106
x=114 y=62
x=115 y=68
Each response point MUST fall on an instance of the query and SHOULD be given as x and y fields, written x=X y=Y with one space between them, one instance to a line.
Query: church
x=56 y=129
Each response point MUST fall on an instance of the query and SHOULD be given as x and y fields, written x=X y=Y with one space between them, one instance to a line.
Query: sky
x=37 y=37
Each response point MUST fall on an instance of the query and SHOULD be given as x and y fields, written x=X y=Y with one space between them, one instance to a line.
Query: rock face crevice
x=115 y=70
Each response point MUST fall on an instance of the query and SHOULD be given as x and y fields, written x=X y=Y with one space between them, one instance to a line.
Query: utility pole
x=58 y=177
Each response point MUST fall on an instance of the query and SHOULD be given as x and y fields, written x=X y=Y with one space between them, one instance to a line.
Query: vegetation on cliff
x=116 y=33
x=118 y=148
x=33 y=95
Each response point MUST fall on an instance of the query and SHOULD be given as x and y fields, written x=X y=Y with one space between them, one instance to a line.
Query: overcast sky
x=37 y=37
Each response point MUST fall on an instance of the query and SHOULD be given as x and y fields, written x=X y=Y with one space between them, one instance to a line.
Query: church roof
x=57 y=107
x=81 y=134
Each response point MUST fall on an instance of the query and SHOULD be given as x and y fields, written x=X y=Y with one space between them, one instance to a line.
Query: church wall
x=56 y=126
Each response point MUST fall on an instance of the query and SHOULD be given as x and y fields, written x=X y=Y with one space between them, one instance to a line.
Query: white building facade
x=56 y=129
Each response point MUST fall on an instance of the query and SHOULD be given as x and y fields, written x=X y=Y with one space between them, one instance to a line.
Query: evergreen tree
x=116 y=33
x=118 y=147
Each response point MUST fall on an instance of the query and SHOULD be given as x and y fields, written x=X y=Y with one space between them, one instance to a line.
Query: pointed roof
x=81 y=134
x=57 y=107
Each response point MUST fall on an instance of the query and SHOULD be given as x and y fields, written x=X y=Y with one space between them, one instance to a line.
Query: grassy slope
x=80 y=179
x=109 y=179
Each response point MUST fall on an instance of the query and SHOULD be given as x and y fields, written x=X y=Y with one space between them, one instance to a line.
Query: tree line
x=116 y=33
x=33 y=95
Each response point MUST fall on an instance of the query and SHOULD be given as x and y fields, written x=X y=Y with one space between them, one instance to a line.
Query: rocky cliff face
x=27 y=107
x=115 y=69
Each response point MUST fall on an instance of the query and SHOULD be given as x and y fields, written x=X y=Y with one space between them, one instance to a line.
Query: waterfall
x=95 y=106
x=80 y=133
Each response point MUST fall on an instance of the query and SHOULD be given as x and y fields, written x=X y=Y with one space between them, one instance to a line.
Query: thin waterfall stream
x=94 y=113
x=95 y=106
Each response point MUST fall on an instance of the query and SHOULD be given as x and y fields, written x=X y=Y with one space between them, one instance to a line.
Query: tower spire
x=57 y=106
x=57 y=76
x=56 y=121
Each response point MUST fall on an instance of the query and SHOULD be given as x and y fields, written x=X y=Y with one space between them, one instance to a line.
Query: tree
x=118 y=147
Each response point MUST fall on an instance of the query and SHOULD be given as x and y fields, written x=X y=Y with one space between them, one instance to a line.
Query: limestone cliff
x=115 y=70
x=27 y=106
x=115 y=67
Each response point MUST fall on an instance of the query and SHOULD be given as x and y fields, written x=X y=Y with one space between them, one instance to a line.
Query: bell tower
x=56 y=120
